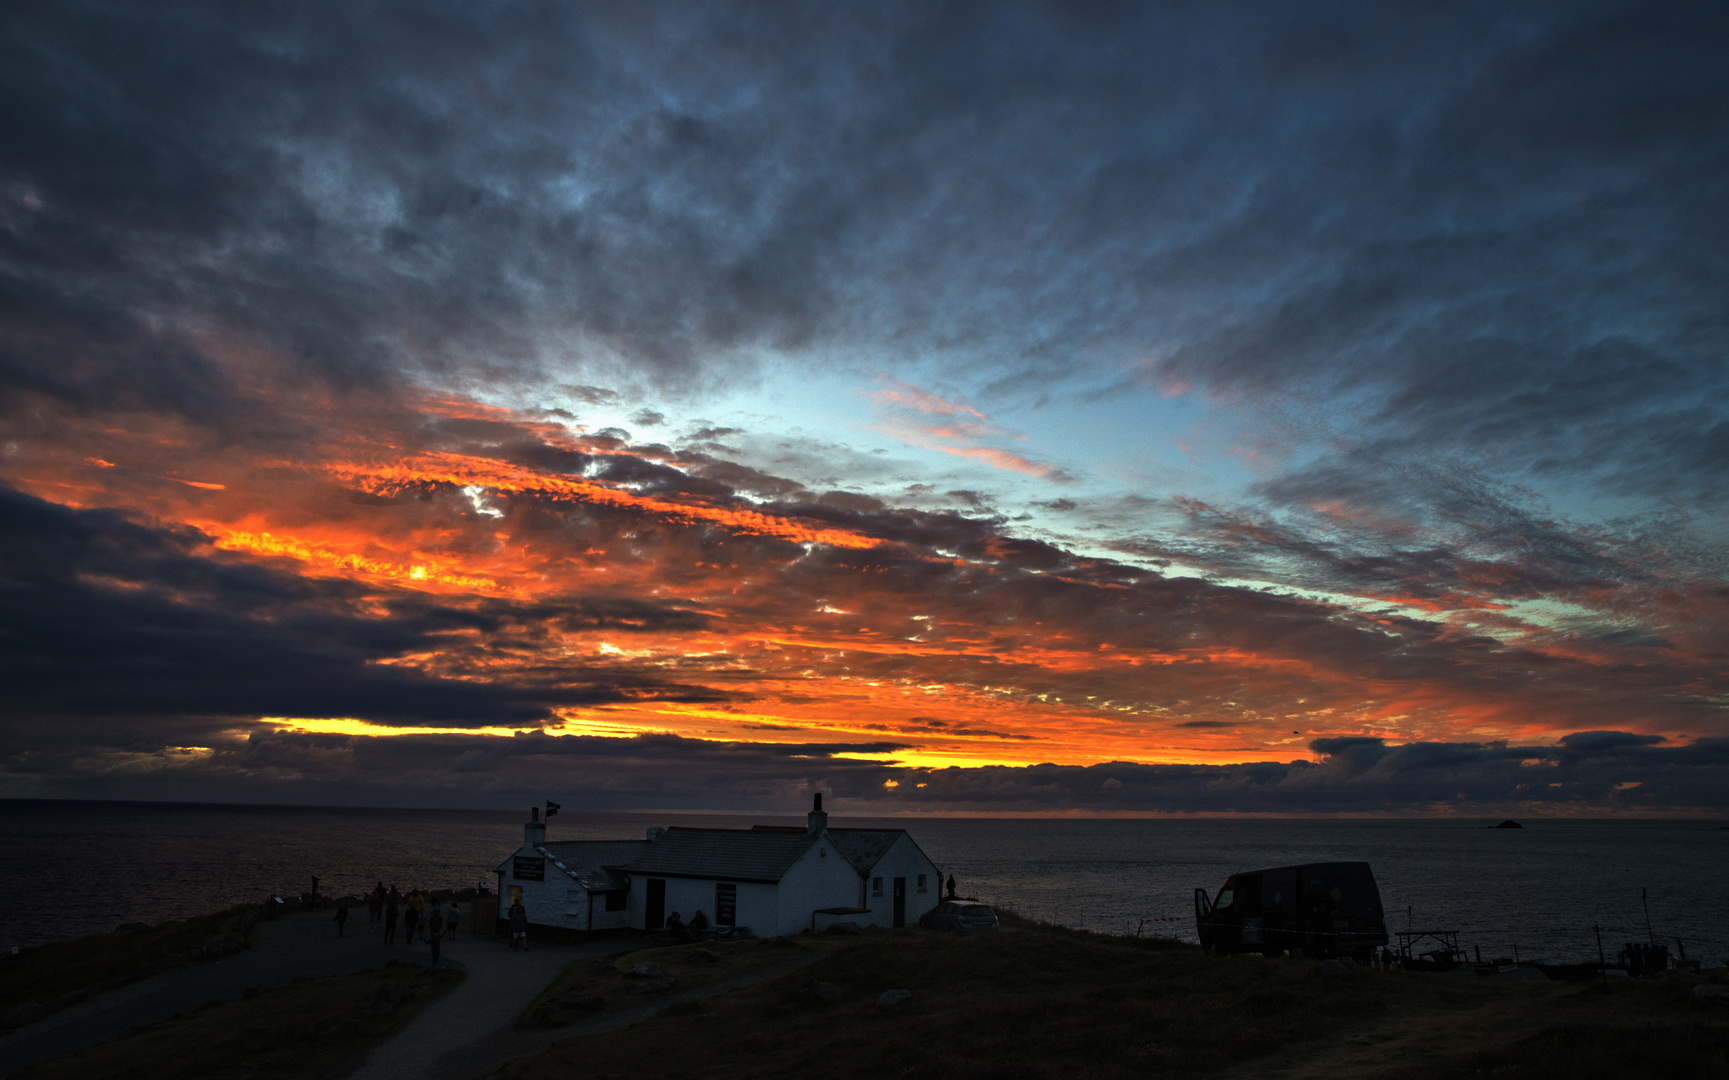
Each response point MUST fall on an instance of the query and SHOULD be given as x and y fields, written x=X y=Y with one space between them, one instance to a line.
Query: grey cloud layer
x=1495 y=230
x=1593 y=772
x=109 y=623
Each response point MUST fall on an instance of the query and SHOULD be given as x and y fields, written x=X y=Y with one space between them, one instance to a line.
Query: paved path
x=471 y=1031
x=464 y=1035
x=500 y=985
x=303 y=945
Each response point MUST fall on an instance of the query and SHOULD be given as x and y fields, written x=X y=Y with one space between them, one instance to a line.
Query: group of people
x=425 y=919
x=696 y=930
x=422 y=917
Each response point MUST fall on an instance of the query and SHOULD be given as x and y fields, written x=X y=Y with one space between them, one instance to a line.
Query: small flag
x=551 y=808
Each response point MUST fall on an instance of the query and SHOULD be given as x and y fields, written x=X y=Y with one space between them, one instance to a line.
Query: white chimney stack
x=816 y=821
x=534 y=833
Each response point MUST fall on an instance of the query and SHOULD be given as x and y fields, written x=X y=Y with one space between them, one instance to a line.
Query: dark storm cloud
x=1494 y=229
x=105 y=618
x=1367 y=775
x=1351 y=776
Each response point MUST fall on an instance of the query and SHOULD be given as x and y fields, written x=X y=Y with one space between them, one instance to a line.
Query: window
x=1224 y=900
x=921 y=883
x=725 y=904
x=876 y=886
x=617 y=899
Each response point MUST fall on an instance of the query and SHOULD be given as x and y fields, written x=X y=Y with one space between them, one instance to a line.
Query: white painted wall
x=821 y=878
x=608 y=920
x=549 y=902
x=758 y=902
x=903 y=859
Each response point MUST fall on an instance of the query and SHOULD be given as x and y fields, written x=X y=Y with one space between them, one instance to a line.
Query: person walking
x=518 y=926
x=391 y=911
x=433 y=921
x=434 y=933
x=375 y=907
x=450 y=921
x=341 y=917
x=411 y=915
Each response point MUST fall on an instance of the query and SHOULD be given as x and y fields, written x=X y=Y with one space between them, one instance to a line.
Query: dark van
x=1317 y=909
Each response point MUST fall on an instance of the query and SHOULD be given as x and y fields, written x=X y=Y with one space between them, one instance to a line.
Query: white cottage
x=774 y=880
x=573 y=884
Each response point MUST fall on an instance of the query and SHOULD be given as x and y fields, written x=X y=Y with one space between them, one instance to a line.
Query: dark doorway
x=900 y=901
x=654 y=914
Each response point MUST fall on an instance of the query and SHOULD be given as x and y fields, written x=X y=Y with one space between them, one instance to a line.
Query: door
x=900 y=901
x=654 y=910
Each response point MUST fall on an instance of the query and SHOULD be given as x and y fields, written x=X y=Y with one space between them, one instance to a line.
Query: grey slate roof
x=723 y=854
x=862 y=847
x=592 y=862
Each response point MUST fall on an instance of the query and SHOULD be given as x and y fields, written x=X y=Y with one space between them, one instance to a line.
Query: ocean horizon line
x=944 y=814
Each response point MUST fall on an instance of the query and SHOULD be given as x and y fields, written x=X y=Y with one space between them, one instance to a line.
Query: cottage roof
x=593 y=863
x=865 y=847
x=862 y=847
x=726 y=854
x=590 y=863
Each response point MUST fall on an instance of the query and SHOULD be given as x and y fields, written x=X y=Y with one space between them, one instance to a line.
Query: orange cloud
x=465 y=471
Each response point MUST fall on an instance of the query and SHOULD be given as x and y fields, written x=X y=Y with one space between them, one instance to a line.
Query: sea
x=1549 y=889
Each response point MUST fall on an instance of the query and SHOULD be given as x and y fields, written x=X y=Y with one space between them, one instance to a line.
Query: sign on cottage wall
x=528 y=868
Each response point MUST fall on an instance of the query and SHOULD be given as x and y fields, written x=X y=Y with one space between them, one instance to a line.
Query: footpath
x=464 y=1035
x=471 y=1031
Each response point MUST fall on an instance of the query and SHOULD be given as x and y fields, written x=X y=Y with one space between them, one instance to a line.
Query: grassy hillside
x=310 y=1029
x=1033 y=1002
x=52 y=977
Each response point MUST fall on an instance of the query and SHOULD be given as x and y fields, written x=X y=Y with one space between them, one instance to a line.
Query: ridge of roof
x=737 y=854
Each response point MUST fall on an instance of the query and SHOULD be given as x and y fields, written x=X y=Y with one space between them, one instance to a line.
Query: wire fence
x=1182 y=928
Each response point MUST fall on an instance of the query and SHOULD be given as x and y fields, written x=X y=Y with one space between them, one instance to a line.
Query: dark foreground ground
x=1032 y=1002
x=1025 y=1003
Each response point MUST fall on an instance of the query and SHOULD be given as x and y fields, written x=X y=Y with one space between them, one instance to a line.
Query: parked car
x=1317 y=909
x=960 y=916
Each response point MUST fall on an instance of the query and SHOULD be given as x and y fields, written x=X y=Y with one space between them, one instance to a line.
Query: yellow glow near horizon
x=348 y=725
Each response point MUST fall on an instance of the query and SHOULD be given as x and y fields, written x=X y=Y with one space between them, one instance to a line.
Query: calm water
x=68 y=869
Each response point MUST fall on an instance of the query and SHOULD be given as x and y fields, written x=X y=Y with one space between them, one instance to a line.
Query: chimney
x=655 y=834
x=816 y=821
x=534 y=833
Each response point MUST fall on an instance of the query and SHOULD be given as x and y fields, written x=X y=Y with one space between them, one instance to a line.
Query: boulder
x=653 y=986
x=894 y=999
x=648 y=969
x=818 y=992
x=702 y=956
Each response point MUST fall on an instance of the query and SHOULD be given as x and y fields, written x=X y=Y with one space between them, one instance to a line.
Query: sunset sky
x=1223 y=408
